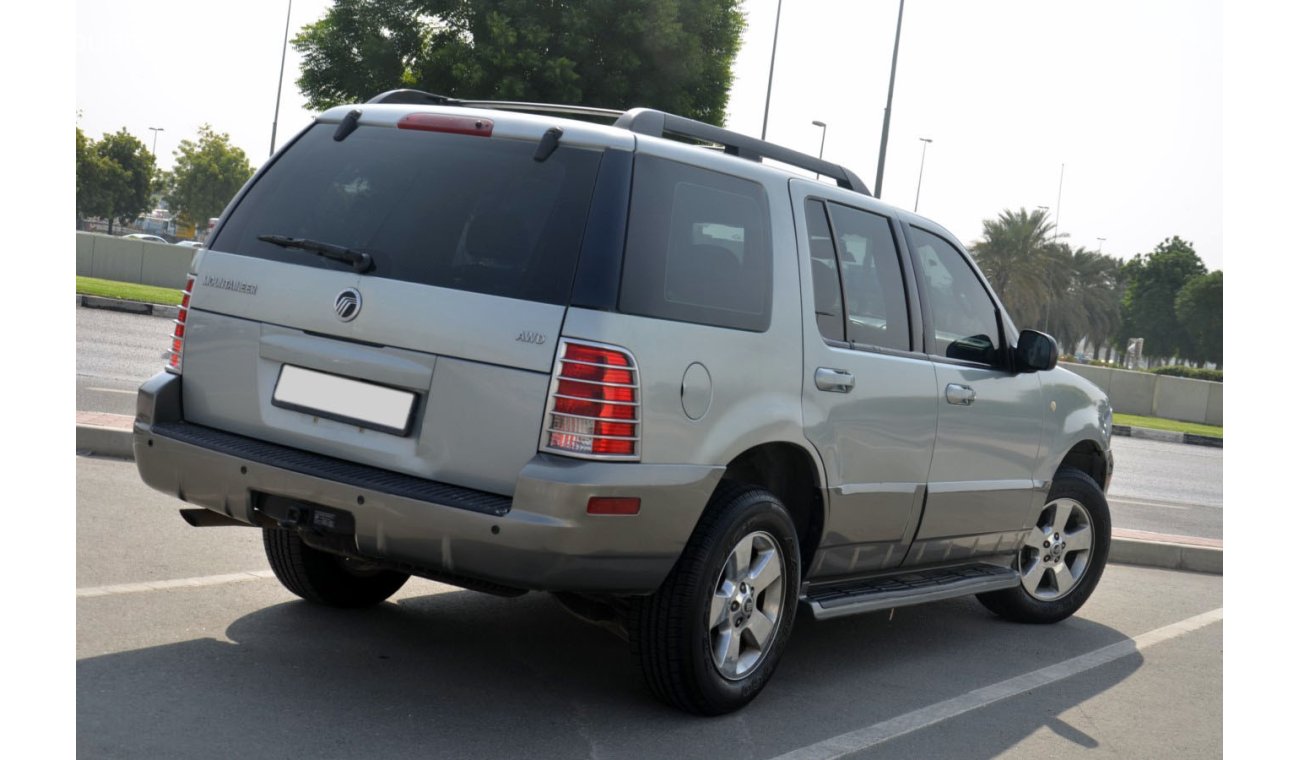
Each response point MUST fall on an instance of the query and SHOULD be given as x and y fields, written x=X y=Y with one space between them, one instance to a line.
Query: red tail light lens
x=178 y=331
x=456 y=125
x=595 y=406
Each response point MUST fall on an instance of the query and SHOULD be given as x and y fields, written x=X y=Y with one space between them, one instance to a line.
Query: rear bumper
x=541 y=539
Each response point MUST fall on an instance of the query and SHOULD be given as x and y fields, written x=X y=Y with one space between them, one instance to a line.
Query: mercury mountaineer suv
x=649 y=366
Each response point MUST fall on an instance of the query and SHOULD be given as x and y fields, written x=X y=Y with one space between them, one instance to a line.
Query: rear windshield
x=464 y=212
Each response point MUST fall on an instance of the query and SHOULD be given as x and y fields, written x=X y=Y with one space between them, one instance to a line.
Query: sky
x=1114 y=106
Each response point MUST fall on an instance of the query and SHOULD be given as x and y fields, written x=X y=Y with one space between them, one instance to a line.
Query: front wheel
x=1062 y=557
x=710 y=638
x=326 y=578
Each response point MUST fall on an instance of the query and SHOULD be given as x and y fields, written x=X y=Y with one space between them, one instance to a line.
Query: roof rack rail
x=417 y=97
x=647 y=121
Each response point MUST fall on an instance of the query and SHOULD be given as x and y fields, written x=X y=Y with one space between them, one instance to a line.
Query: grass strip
x=128 y=291
x=1158 y=423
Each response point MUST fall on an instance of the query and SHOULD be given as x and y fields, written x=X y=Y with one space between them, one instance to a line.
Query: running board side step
x=887 y=592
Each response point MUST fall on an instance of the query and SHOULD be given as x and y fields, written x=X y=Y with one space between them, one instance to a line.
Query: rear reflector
x=613 y=505
x=594 y=410
x=455 y=125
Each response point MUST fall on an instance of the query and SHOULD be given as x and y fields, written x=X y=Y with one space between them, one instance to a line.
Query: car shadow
x=465 y=675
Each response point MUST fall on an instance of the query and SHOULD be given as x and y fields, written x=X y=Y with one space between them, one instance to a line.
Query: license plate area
x=355 y=402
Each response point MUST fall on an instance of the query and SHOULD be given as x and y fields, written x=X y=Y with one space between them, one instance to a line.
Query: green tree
x=675 y=55
x=1199 y=306
x=1154 y=280
x=206 y=176
x=114 y=176
x=1084 y=301
x=1015 y=255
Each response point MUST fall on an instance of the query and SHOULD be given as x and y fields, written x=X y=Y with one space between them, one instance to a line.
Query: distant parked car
x=141 y=236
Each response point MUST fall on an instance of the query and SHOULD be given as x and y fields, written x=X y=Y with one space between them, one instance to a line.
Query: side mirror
x=1036 y=351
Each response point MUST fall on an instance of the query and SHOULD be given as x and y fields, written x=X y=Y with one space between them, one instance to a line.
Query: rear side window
x=698 y=248
x=464 y=212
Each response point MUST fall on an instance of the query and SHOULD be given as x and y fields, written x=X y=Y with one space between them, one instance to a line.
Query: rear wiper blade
x=361 y=262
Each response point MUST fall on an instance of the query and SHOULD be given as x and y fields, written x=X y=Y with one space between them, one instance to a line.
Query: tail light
x=178 y=333
x=594 y=410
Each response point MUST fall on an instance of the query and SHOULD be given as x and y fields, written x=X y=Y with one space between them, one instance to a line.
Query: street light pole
x=925 y=143
x=889 y=101
x=1057 y=227
x=155 y=131
x=280 y=83
x=1100 y=241
x=821 y=124
x=771 y=69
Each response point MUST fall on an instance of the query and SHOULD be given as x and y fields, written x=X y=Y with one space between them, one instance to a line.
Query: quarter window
x=698 y=248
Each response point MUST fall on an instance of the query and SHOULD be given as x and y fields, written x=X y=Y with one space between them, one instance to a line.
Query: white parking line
x=856 y=741
x=206 y=580
x=113 y=390
x=1134 y=503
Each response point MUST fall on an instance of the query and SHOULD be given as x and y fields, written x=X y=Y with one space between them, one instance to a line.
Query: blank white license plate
x=344 y=399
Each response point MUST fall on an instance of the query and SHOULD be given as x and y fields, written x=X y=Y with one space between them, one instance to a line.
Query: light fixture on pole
x=925 y=143
x=771 y=69
x=1100 y=241
x=279 y=84
x=889 y=101
x=155 y=131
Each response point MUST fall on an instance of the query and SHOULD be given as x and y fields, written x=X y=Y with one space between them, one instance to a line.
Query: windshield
x=457 y=211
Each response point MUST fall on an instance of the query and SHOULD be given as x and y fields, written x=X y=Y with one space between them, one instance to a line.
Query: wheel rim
x=747 y=605
x=1056 y=552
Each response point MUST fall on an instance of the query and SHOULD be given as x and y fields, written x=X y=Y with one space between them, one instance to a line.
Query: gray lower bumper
x=544 y=540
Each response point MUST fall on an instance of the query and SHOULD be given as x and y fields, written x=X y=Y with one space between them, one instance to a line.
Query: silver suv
x=506 y=347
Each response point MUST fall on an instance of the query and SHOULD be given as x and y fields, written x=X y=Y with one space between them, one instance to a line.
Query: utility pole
x=280 y=83
x=771 y=69
x=1057 y=227
x=925 y=143
x=889 y=101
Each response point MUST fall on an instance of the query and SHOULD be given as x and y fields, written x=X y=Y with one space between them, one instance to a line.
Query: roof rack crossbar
x=647 y=121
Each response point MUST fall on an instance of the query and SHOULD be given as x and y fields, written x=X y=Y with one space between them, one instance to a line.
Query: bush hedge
x=1213 y=375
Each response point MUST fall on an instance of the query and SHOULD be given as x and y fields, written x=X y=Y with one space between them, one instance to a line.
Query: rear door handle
x=834 y=380
x=961 y=395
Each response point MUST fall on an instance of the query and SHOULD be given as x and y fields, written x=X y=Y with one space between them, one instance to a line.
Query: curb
x=1167 y=436
x=103 y=441
x=112 y=438
x=130 y=307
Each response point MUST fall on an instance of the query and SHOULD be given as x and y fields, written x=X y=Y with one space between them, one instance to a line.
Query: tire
x=326 y=578
x=1063 y=556
x=712 y=635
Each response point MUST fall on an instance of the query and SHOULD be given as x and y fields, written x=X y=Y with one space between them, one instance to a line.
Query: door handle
x=961 y=395
x=834 y=380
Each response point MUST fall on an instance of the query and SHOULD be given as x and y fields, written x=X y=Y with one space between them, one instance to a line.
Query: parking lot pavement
x=186 y=648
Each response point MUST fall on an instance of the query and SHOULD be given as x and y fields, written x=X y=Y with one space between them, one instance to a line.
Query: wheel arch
x=1087 y=456
x=791 y=473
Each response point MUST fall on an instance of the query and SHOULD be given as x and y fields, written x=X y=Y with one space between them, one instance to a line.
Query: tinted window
x=965 y=322
x=873 y=278
x=697 y=247
x=826 y=283
x=464 y=212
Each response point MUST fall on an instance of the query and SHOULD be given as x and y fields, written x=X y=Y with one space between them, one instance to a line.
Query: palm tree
x=1085 y=300
x=1015 y=256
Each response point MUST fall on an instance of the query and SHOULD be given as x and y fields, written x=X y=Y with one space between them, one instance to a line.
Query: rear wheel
x=710 y=638
x=1062 y=557
x=326 y=578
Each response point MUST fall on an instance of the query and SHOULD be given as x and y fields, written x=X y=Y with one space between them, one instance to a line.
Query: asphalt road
x=1158 y=487
x=186 y=648
x=116 y=352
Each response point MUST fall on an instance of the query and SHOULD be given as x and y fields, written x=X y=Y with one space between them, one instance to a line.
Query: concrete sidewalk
x=102 y=434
